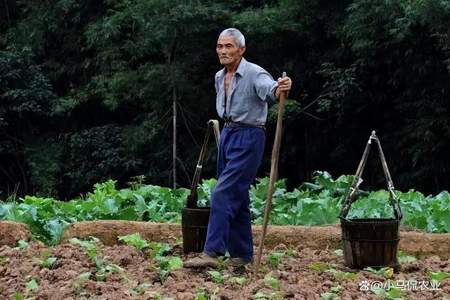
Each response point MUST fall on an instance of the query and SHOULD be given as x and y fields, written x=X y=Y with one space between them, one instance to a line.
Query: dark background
x=86 y=88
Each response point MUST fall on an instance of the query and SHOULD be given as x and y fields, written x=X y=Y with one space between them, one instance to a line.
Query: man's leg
x=240 y=244
x=209 y=258
x=243 y=154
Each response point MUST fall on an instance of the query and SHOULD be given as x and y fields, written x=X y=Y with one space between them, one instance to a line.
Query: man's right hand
x=284 y=85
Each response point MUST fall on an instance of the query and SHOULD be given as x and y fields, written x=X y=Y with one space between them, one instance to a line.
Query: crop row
x=315 y=203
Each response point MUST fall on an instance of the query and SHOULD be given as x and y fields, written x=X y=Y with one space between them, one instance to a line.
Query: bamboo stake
x=174 y=142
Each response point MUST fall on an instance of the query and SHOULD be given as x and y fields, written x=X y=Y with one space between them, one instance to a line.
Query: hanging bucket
x=370 y=242
x=194 y=219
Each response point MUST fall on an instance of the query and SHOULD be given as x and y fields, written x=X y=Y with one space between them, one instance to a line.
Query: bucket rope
x=354 y=188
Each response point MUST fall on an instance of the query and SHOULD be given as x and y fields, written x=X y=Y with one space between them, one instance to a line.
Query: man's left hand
x=284 y=85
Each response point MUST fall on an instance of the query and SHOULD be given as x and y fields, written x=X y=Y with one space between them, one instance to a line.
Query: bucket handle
x=214 y=126
x=354 y=188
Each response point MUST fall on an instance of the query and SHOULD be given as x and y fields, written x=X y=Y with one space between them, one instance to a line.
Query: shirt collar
x=240 y=70
x=242 y=67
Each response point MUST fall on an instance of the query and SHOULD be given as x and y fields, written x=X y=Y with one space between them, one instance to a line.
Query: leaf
x=395 y=293
x=140 y=289
x=329 y=296
x=127 y=214
x=134 y=240
x=32 y=285
x=55 y=227
x=339 y=275
x=175 y=263
x=319 y=267
x=274 y=258
x=84 y=276
x=238 y=280
x=100 y=276
x=201 y=294
x=335 y=289
x=22 y=245
x=438 y=276
x=201 y=297
x=113 y=268
x=271 y=282
x=158 y=249
x=216 y=276
x=49 y=262
x=403 y=258
x=19 y=296
x=386 y=272
x=89 y=246
x=168 y=264
x=278 y=295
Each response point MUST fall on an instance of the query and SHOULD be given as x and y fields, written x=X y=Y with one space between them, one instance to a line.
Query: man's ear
x=242 y=50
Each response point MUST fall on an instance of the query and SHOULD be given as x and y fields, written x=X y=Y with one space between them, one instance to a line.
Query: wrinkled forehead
x=224 y=40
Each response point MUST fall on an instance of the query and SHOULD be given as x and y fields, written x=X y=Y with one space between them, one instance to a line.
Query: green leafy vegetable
x=274 y=259
x=403 y=258
x=216 y=276
x=134 y=240
x=271 y=281
x=438 y=276
x=315 y=203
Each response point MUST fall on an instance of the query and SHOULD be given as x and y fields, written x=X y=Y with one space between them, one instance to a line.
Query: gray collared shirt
x=251 y=89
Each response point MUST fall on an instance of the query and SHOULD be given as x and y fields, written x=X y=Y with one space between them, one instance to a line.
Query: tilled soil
x=138 y=278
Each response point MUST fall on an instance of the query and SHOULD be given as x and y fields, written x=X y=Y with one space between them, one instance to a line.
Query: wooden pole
x=273 y=174
x=174 y=133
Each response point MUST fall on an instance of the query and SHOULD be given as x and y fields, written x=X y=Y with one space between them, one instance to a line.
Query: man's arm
x=265 y=86
x=269 y=89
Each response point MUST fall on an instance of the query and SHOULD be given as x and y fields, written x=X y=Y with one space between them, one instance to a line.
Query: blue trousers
x=240 y=154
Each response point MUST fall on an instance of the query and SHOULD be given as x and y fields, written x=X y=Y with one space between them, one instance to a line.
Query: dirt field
x=301 y=274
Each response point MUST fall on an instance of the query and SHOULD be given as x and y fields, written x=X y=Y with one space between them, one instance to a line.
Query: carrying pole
x=214 y=126
x=273 y=174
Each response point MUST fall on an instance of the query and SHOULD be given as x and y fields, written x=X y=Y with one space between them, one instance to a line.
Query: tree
x=26 y=98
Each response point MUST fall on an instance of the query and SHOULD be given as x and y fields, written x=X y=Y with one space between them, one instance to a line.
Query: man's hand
x=284 y=85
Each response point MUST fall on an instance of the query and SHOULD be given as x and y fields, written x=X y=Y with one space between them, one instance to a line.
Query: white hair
x=235 y=34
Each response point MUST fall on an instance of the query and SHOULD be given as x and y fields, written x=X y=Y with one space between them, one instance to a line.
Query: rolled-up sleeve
x=265 y=86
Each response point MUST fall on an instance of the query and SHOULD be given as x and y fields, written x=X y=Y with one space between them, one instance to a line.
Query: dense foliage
x=86 y=87
x=315 y=203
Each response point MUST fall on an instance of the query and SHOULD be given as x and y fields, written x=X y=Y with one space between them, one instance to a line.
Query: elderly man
x=243 y=92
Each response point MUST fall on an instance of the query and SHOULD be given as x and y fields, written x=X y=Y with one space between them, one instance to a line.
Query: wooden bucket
x=194 y=226
x=370 y=242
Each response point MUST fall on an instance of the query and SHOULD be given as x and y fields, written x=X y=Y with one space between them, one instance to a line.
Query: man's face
x=228 y=51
